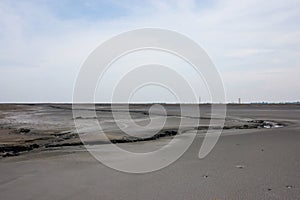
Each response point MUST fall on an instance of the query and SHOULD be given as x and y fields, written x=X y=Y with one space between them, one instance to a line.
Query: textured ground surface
x=247 y=162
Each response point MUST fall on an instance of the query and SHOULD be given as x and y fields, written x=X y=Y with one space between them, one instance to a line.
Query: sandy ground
x=245 y=164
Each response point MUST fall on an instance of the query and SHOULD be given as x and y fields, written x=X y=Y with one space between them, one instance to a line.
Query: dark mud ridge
x=7 y=151
x=253 y=124
x=15 y=150
x=137 y=139
x=64 y=138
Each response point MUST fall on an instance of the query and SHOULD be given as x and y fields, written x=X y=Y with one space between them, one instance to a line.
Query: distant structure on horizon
x=239 y=100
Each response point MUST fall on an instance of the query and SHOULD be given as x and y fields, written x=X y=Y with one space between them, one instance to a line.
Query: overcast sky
x=254 y=44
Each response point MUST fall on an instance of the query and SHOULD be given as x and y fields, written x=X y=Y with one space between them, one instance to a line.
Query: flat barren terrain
x=43 y=157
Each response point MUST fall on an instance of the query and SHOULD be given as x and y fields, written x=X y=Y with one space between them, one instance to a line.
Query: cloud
x=242 y=53
x=43 y=43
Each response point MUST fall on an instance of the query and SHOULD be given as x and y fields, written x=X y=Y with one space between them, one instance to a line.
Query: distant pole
x=199 y=100
x=239 y=100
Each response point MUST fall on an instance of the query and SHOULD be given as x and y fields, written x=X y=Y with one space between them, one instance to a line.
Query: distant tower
x=239 y=100
x=199 y=100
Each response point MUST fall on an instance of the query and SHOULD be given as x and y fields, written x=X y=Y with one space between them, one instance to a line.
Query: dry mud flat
x=246 y=163
x=24 y=128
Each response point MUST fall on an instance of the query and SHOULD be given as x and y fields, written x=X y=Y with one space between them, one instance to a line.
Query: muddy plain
x=43 y=157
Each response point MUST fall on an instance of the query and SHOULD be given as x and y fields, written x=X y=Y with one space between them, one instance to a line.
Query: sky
x=254 y=44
